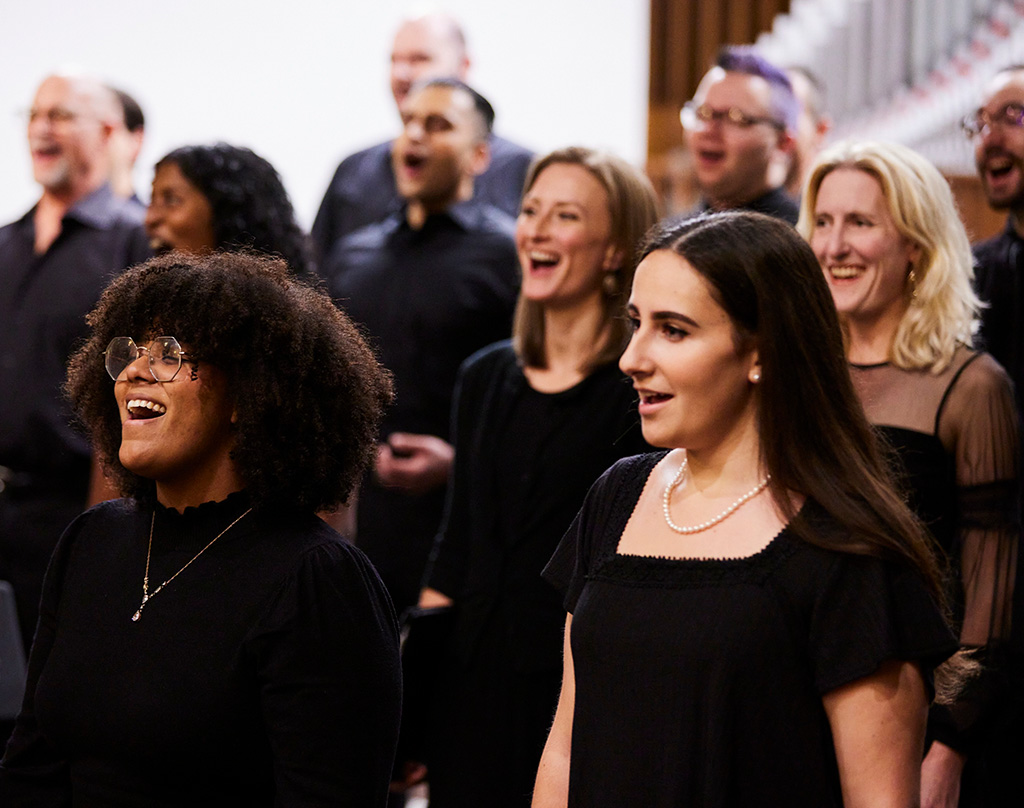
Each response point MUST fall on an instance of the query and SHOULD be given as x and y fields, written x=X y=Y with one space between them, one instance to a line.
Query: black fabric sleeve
x=326 y=656
x=324 y=230
x=446 y=570
x=868 y=611
x=613 y=495
x=979 y=420
x=33 y=773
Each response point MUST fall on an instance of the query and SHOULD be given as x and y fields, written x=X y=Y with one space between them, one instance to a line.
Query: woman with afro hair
x=224 y=197
x=207 y=639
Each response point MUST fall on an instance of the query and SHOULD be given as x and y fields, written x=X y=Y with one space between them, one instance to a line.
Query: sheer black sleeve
x=978 y=425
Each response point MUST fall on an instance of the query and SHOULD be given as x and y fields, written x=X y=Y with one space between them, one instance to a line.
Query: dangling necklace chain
x=145 y=578
x=666 y=498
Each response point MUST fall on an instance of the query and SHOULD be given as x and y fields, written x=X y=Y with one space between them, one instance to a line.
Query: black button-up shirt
x=999 y=281
x=428 y=298
x=363 y=189
x=43 y=302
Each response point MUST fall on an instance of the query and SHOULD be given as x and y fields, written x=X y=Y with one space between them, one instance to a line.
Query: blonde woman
x=882 y=222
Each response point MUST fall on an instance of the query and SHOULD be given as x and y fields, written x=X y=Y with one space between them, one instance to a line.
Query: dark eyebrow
x=659 y=316
x=674 y=315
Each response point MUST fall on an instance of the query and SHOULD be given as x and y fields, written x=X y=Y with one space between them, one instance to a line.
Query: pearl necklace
x=686 y=530
x=146 y=597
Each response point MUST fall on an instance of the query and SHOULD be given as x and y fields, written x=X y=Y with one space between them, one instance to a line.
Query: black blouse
x=523 y=463
x=954 y=435
x=266 y=673
x=699 y=682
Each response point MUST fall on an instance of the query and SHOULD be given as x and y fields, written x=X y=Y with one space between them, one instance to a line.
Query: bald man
x=54 y=262
x=363 y=190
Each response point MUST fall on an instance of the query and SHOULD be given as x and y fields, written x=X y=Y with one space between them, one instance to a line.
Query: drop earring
x=610 y=284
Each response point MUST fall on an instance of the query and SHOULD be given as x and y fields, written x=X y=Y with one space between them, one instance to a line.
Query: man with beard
x=996 y=130
x=432 y=283
x=54 y=262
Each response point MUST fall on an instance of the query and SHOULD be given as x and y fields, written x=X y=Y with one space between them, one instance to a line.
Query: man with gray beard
x=54 y=263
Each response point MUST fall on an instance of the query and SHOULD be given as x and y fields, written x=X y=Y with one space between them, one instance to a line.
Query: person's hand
x=940 y=777
x=415 y=463
x=413 y=773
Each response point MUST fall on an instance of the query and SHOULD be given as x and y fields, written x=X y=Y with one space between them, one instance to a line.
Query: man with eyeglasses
x=739 y=128
x=996 y=130
x=54 y=263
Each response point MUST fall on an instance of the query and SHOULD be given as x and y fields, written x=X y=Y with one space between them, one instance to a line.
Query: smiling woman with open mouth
x=895 y=254
x=208 y=640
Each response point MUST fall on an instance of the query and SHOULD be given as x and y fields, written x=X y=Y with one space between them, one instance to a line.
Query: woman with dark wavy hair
x=207 y=640
x=753 y=613
x=224 y=197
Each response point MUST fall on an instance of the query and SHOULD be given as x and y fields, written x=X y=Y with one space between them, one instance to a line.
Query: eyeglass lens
x=1010 y=115
x=164 y=357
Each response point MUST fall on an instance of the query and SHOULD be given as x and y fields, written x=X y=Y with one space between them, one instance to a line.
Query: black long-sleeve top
x=265 y=674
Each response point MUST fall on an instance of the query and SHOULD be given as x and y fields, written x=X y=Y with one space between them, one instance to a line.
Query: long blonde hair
x=944 y=309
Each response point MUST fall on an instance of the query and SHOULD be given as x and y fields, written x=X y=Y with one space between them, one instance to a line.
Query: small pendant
x=138 y=612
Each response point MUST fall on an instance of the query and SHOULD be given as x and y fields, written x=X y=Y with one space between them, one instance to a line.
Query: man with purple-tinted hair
x=740 y=127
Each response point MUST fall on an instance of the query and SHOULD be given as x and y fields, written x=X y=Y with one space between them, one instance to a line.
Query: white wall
x=304 y=82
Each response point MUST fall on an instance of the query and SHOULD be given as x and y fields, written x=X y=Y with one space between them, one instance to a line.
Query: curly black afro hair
x=307 y=390
x=251 y=209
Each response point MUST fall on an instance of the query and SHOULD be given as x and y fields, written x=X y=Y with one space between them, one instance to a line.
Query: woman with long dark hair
x=752 y=612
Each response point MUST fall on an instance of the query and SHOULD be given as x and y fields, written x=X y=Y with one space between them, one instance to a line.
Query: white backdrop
x=305 y=82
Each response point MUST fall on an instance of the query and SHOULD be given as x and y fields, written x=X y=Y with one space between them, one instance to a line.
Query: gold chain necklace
x=145 y=578
x=666 y=498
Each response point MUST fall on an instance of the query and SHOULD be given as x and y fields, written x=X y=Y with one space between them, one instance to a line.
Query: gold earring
x=912 y=283
x=610 y=284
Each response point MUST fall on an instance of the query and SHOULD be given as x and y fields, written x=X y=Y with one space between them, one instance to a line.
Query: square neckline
x=765 y=552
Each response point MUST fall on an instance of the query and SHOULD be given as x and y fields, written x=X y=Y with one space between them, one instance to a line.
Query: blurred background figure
x=432 y=283
x=882 y=222
x=536 y=421
x=812 y=127
x=363 y=189
x=224 y=197
x=739 y=127
x=125 y=145
x=54 y=263
x=996 y=130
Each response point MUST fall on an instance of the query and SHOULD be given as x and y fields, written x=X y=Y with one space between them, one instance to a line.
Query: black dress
x=265 y=674
x=523 y=463
x=699 y=682
x=954 y=436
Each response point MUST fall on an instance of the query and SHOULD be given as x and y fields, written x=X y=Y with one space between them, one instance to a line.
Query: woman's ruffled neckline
x=234 y=504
